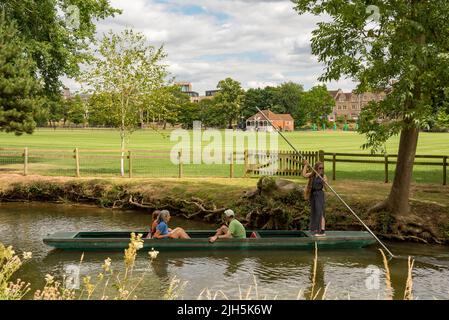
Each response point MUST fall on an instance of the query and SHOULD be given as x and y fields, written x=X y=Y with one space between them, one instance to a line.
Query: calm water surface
x=357 y=274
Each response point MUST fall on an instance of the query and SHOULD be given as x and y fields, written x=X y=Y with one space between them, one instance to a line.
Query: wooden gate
x=282 y=163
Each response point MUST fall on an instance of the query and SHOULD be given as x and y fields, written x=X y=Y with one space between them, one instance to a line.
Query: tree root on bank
x=214 y=214
x=381 y=206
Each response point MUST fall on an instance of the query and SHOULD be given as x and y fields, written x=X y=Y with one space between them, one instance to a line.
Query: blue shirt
x=162 y=228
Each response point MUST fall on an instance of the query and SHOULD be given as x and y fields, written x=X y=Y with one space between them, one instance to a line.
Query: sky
x=256 y=42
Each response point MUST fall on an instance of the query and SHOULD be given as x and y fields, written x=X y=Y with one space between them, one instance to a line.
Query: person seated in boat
x=154 y=223
x=164 y=232
x=234 y=229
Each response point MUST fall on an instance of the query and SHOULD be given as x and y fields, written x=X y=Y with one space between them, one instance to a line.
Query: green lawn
x=158 y=144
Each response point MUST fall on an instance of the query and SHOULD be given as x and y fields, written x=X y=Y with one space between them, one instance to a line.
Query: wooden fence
x=251 y=163
x=386 y=160
x=282 y=163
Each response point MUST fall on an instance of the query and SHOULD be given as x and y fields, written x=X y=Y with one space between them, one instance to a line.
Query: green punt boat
x=263 y=240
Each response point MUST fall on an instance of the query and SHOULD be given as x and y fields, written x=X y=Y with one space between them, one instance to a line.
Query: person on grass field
x=314 y=192
x=234 y=229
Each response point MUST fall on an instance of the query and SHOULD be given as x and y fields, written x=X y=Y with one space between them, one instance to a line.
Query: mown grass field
x=103 y=162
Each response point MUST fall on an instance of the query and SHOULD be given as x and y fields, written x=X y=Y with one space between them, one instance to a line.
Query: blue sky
x=257 y=42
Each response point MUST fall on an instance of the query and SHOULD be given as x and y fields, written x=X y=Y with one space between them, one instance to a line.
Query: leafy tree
x=254 y=98
x=98 y=106
x=56 y=46
x=317 y=104
x=57 y=110
x=125 y=69
x=442 y=119
x=287 y=97
x=405 y=52
x=188 y=113
x=20 y=92
x=76 y=110
x=230 y=99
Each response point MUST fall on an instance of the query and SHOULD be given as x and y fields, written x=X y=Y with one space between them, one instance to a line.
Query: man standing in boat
x=234 y=229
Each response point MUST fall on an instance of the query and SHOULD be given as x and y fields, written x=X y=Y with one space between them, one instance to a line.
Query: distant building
x=350 y=105
x=211 y=93
x=66 y=94
x=186 y=87
x=258 y=122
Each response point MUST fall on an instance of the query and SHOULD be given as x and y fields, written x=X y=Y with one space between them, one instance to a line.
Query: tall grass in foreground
x=123 y=284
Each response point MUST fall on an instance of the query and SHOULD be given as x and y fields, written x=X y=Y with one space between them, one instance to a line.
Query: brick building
x=258 y=122
x=349 y=105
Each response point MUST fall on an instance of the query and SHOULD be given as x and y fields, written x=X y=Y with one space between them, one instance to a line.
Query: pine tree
x=19 y=88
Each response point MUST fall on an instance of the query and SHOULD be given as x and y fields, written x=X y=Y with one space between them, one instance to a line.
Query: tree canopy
x=405 y=53
x=55 y=46
x=20 y=91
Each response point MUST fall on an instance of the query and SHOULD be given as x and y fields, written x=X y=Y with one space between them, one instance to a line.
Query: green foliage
x=169 y=105
x=76 y=110
x=406 y=53
x=125 y=71
x=20 y=91
x=230 y=99
x=54 y=46
x=443 y=119
x=317 y=104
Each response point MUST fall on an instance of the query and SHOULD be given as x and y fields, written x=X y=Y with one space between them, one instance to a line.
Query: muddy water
x=358 y=274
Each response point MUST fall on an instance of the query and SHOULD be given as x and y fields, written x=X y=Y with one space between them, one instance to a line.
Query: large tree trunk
x=397 y=202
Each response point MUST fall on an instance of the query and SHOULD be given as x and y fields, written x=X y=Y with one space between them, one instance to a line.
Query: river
x=354 y=274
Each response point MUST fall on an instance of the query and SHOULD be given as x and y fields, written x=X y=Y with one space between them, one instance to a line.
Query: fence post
x=180 y=165
x=444 y=170
x=321 y=156
x=25 y=161
x=334 y=165
x=245 y=159
x=231 y=166
x=386 y=168
x=130 y=164
x=77 y=161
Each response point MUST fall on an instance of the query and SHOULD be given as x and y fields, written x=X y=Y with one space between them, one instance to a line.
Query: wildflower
x=123 y=294
x=27 y=255
x=107 y=265
x=49 y=278
x=88 y=286
x=153 y=254
x=135 y=244
x=138 y=245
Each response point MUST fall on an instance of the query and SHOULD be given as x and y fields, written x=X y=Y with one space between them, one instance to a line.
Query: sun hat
x=229 y=213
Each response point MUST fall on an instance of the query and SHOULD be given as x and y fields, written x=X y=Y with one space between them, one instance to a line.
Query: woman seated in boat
x=234 y=229
x=154 y=223
x=164 y=232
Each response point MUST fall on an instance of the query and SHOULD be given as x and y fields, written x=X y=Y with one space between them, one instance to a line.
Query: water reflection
x=277 y=274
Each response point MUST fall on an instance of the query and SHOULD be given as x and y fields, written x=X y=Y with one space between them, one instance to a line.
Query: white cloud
x=256 y=42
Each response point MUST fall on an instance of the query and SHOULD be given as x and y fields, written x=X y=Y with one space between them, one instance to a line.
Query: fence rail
x=343 y=158
x=158 y=163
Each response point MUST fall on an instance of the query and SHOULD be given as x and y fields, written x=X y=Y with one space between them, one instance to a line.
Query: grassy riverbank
x=188 y=197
